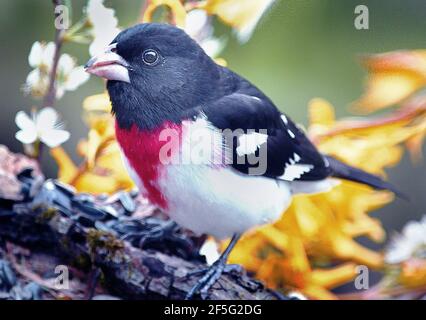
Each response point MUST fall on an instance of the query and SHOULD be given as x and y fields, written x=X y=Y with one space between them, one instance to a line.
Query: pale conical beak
x=109 y=65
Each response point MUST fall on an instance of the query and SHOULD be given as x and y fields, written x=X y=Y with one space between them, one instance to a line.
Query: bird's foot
x=151 y=234
x=210 y=276
x=229 y=268
x=158 y=233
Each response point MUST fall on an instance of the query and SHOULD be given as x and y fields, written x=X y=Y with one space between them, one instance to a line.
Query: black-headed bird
x=203 y=143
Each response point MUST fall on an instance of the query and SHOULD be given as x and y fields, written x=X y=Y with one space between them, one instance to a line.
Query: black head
x=154 y=72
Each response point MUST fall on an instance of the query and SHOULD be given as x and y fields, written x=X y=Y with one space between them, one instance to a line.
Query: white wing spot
x=249 y=143
x=327 y=164
x=256 y=98
x=291 y=134
x=293 y=170
x=284 y=119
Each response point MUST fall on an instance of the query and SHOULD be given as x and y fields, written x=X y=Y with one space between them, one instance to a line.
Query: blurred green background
x=301 y=49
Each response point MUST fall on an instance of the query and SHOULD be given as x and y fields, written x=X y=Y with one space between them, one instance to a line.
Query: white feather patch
x=202 y=143
x=249 y=143
x=293 y=170
x=312 y=187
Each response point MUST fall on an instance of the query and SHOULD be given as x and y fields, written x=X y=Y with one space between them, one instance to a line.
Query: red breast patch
x=142 y=149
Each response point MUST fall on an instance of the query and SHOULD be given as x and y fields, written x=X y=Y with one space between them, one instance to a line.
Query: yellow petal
x=176 y=7
x=403 y=60
x=415 y=145
x=321 y=112
x=240 y=14
x=97 y=102
x=66 y=167
x=96 y=184
x=388 y=88
x=333 y=277
x=318 y=293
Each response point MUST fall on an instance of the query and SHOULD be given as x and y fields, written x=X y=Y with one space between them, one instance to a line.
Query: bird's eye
x=150 y=57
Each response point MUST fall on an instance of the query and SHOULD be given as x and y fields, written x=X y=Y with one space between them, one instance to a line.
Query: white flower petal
x=102 y=39
x=66 y=64
x=99 y=15
x=213 y=46
x=195 y=22
x=48 y=54
x=104 y=25
x=46 y=119
x=26 y=136
x=33 y=78
x=405 y=245
x=60 y=90
x=76 y=78
x=34 y=58
x=36 y=83
x=24 y=122
x=55 y=137
x=246 y=31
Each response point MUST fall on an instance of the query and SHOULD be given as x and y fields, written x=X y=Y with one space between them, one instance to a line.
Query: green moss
x=82 y=262
x=99 y=241
x=46 y=214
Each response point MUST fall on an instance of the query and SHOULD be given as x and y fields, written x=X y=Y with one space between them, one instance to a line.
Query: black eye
x=150 y=57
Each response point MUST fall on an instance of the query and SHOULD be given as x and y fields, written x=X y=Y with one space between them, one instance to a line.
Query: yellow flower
x=176 y=7
x=297 y=252
x=413 y=273
x=102 y=170
x=242 y=15
x=393 y=77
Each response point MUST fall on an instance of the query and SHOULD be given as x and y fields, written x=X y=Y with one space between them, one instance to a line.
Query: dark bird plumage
x=186 y=82
x=160 y=79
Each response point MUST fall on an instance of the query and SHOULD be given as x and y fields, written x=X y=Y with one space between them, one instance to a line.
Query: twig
x=25 y=272
x=49 y=98
x=143 y=9
x=406 y=113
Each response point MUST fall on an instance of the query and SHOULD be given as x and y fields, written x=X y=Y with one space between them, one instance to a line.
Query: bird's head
x=153 y=72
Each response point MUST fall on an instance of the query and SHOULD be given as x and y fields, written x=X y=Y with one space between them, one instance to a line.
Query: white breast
x=216 y=199
x=212 y=198
x=221 y=201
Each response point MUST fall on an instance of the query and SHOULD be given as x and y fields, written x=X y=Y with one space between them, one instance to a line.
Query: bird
x=203 y=143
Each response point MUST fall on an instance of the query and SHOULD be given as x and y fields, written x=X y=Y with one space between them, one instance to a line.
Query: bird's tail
x=344 y=171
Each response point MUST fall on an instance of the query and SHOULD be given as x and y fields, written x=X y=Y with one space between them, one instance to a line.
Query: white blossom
x=41 y=126
x=104 y=25
x=410 y=243
x=41 y=54
x=210 y=250
x=198 y=26
x=68 y=77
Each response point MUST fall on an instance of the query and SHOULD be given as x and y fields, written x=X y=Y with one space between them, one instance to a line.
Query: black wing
x=250 y=115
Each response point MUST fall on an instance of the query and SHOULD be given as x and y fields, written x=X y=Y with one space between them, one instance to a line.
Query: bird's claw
x=211 y=275
x=153 y=234
x=229 y=268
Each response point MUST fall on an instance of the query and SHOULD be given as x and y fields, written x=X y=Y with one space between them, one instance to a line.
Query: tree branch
x=73 y=227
